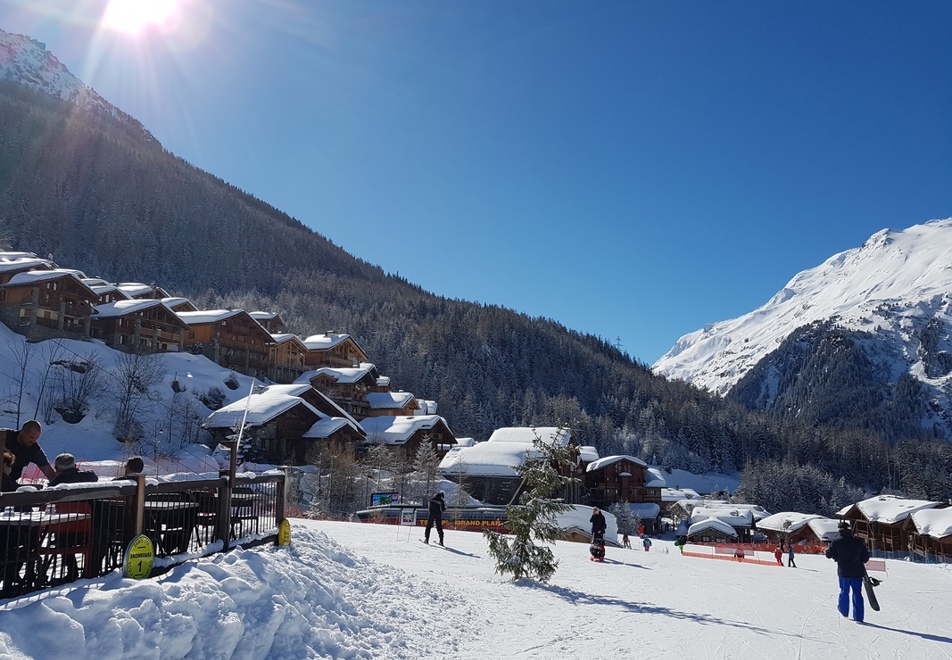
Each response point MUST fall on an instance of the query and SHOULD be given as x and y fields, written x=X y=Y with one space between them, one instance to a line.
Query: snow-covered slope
x=894 y=286
x=27 y=61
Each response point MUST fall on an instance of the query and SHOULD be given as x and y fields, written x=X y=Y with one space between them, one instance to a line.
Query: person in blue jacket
x=850 y=555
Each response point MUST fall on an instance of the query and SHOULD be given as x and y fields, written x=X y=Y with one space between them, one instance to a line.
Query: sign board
x=408 y=517
x=284 y=533
x=138 y=558
x=384 y=499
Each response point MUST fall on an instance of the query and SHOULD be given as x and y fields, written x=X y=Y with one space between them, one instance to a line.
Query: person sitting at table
x=25 y=445
x=133 y=468
x=68 y=473
x=8 y=484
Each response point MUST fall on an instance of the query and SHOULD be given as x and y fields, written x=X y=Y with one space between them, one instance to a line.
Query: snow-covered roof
x=325 y=428
x=587 y=454
x=787 y=521
x=137 y=288
x=465 y=442
x=889 y=509
x=654 y=478
x=609 y=460
x=486 y=459
x=711 y=523
x=645 y=510
x=102 y=289
x=345 y=375
x=262 y=408
x=730 y=516
x=388 y=400
x=208 y=315
x=263 y=316
x=123 y=307
x=13 y=256
x=32 y=276
x=826 y=529
x=396 y=430
x=936 y=523
x=424 y=406
x=678 y=495
x=7 y=265
x=324 y=341
x=527 y=434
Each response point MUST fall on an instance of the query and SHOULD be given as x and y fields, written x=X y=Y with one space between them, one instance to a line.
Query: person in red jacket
x=778 y=555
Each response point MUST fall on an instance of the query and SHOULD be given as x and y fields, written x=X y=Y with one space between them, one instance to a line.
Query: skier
x=790 y=562
x=850 y=555
x=437 y=507
x=778 y=554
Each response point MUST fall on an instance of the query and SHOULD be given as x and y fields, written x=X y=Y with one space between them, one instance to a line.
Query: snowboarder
x=790 y=562
x=850 y=555
x=435 y=517
x=778 y=554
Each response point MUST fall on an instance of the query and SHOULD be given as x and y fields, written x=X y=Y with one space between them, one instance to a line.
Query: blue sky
x=633 y=170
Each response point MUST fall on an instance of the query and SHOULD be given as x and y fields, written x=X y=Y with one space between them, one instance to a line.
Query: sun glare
x=133 y=16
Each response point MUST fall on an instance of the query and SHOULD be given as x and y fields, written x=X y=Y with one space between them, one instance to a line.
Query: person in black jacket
x=850 y=555
x=68 y=473
x=598 y=525
x=437 y=507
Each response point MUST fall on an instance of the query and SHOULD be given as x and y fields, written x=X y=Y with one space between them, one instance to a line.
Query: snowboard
x=868 y=585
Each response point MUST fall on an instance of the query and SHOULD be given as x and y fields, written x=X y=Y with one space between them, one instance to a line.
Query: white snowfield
x=352 y=590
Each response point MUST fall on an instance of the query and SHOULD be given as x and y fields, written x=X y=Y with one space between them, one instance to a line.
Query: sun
x=132 y=16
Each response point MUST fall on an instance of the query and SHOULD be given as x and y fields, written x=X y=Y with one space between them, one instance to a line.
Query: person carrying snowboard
x=437 y=507
x=850 y=555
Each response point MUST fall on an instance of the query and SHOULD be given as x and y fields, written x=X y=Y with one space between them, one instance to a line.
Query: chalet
x=614 y=479
x=711 y=522
x=270 y=321
x=230 y=338
x=798 y=528
x=394 y=404
x=933 y=534
x=884 y=521
x=108 y=293
x=12 y=263
x=406 y=434
x=179 y=304
x=55 y=299
x=286 y=358
x=140 y=291
x=282 y=426
x=146 y=325
x=487 y=470
x=333 y=350
x=348 y=387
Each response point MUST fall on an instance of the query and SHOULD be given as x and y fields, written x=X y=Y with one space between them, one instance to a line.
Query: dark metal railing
x=57 y=535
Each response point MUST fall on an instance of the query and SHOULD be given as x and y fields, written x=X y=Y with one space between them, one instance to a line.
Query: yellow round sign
x=284 y=533
x=137 y=561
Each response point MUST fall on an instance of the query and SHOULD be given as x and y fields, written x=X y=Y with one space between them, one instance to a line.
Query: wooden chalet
x=884 y=521
x=179 y=304
x=393 y=404
x=797 y=528
x=347 y=387
x=286 y=358
x=108 y=293
x=145 y=325
x=270 y=321
x=12 y=263
x=333 y=350
x=933 y=534
x=616 y=479
x=230 y=338
x=282 y=427
x=56 y=299
x=406 y=434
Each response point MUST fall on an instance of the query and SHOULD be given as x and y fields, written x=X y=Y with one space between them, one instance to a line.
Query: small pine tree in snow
x=534 y=519
x=626 y=519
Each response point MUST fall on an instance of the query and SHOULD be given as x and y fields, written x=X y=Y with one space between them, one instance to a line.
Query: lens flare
x=133 y=16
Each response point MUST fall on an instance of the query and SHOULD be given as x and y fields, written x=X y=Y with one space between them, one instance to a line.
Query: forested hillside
x=107 y=201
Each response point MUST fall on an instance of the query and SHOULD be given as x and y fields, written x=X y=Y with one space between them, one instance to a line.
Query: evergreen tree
x=534 y=519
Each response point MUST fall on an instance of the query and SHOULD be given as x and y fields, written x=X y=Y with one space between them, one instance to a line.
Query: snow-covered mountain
x=25 y=60
x=897 y=287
